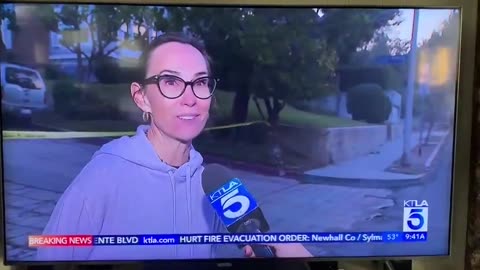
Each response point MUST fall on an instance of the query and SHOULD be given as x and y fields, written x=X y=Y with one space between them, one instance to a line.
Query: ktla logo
x=415 y=216
x=232 y=201
x=231 y=185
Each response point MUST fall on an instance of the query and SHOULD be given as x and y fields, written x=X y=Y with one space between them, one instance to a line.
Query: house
x=29 y=45
x=67 y=60
x=35 y=45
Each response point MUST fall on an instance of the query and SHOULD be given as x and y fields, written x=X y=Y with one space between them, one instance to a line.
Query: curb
x=433 y=155
x=360 y=183
x=51 y=127
x=311 y=179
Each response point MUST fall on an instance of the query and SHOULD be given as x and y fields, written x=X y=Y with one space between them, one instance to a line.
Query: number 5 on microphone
x=232 y=201
x=228 y=203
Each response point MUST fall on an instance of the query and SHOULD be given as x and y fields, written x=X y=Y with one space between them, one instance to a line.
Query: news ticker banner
x=265 y=238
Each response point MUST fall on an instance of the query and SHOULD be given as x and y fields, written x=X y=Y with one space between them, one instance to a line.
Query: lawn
x=120 y=94
x=242 y=151
x=288 y=116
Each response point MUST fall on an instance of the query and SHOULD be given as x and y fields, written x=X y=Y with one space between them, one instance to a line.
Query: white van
x=23 y=90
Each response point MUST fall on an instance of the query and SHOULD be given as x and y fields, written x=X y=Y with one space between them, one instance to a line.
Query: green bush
x=74 y=102
x=91 y=107
x=368 y=102
x=66 y=95
x=53 y=72
x=108 y=71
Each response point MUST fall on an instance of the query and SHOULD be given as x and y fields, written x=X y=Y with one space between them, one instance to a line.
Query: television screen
x=163 y=132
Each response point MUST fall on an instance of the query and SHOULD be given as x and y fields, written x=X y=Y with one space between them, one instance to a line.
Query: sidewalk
x=290 y=206
x=374 y=166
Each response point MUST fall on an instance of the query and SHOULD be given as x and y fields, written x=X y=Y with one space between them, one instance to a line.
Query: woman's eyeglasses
x=173 y=87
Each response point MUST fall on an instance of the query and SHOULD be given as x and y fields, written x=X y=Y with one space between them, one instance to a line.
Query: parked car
x=23 y=91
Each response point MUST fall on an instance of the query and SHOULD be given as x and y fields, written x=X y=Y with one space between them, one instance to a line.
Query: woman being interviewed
x=150 y=182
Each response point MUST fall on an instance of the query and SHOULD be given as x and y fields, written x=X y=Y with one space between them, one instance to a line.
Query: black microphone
x=235 y=206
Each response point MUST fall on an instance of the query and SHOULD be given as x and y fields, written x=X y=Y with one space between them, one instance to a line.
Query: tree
x=441 y=51
x=394 y=75
x=438 y=61
x=349 y=29
x=7 y=15
x=255 y=49
x=280 y=39
x=88 y=31
x=142 y=19
x=384 y=45
x=222 y=30
x=448 y=34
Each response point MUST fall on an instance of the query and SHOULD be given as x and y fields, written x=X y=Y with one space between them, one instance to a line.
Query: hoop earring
x=146 y=116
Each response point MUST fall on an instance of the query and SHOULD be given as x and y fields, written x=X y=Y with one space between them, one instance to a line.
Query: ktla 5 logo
x=415 y=216
x=232 y=200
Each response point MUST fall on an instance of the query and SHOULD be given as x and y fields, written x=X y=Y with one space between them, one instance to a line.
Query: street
x=37 y=172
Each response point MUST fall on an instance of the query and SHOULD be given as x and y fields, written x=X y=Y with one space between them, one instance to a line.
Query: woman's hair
x=171 y=37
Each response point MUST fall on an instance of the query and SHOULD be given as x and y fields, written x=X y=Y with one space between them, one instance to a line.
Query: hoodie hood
x=138 y=149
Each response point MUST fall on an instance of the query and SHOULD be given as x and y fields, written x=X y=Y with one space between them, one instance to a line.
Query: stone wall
x=327 y=146
x=348 y=143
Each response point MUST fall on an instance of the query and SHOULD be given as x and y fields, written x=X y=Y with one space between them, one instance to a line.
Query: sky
x=429 y=20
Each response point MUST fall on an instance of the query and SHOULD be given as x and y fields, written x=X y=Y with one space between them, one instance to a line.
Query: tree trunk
x=78 y=52
x=3 y=48
x=240 y=111
x=274 y=106
x=274 y=118
x=240 y=106
x=89 y=69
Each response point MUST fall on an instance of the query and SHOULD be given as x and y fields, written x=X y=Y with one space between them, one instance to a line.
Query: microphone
x=235 y=206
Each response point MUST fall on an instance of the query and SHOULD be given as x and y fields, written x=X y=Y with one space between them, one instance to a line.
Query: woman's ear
x=139 y=96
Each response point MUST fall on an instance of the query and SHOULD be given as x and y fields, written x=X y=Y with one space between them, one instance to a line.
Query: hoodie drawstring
x=189 y=207
x=172 y=183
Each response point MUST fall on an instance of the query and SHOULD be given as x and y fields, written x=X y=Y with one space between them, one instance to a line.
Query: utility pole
x=412 y=72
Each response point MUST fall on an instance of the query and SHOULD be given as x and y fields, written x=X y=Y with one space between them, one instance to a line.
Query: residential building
x=30 y=44
x=35 y=45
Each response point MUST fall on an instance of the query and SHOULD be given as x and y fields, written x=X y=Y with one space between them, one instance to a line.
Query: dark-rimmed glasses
x=172 y=87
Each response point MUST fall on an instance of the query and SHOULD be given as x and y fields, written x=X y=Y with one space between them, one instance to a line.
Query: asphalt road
x=38 y=171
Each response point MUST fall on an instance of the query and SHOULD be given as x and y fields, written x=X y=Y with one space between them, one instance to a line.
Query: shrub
x=108 y=71
x=94 y=108
x=368 y=102
x=53 y=72
x=66 y=96
x=74 y=103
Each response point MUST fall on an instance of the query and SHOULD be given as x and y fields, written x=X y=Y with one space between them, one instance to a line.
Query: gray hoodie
x=126 y=190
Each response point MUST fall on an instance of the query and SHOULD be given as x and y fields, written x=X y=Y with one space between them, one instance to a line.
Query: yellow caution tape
x=9 y=135
x=237 y=125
